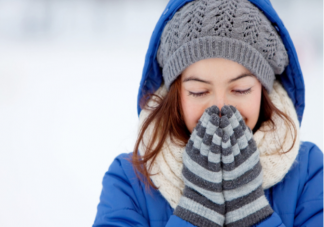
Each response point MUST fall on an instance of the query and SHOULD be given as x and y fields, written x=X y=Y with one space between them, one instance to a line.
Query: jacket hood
x=291 y=79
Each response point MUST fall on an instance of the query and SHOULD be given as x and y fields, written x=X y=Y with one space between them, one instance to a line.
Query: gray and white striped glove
x=202 y=202
x=245 y=202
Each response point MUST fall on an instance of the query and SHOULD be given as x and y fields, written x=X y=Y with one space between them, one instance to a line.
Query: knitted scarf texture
x=272 y=145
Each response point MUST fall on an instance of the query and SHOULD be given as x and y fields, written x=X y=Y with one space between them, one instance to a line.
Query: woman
x=222 y=96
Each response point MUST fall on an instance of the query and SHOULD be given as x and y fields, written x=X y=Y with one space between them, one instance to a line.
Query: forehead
x=215 y=68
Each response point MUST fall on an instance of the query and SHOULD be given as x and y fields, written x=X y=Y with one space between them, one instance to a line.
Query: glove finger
x=229 y=162
x=213 y=110
x=238 y=123
x=241 y=138
x=211 y=127
x=238 y=119
x=199 y=132
x=203 y=120
x=227 y=156
x=214 y=155
x=228 y=112
x=242 y=134
x=214 y=158
x=236 y=113
x=226 y=126
x=213 y=124
x=207 y=114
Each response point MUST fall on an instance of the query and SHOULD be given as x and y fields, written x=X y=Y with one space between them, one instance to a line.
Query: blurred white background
x=69 y=74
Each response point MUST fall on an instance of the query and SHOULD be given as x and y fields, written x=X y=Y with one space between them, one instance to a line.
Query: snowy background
x=69 y=74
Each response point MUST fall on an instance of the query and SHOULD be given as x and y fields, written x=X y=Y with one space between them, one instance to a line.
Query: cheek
x=250 y=110
x=191 y=111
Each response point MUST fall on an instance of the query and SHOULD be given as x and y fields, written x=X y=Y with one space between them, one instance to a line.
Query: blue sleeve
x=122 y=202
x=273 y=221
x=309 y=210
x=118 y=204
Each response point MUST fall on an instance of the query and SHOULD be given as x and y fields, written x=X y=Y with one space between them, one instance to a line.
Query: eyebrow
x=240 y=77
x=193 y=78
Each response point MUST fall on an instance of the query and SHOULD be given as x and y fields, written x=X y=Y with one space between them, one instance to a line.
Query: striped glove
x=245 y=202
x=202 y=202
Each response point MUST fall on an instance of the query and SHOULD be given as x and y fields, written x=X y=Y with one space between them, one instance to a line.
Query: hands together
x=222 y=173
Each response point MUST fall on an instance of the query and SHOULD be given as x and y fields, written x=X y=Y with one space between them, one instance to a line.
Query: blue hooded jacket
x=297 y=200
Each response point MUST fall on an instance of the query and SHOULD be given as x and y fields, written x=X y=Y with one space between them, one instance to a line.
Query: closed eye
x=198 y=94
x=242 y=92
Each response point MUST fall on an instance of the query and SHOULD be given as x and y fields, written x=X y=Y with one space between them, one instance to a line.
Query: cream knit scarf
x=275 y=164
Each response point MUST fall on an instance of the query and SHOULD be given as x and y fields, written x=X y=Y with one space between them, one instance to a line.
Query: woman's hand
x=202 y=203
x=245 y=202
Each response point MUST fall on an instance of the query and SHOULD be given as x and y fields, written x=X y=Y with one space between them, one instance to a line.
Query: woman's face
x=218 y=81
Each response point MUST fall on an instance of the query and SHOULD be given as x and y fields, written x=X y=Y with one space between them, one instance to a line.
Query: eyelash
x=244 y=92
x=197 y=94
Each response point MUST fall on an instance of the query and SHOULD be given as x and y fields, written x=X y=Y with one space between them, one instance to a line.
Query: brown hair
x=169 y=114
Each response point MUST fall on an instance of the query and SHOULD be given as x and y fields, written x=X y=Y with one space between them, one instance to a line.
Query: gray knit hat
x=232 y=29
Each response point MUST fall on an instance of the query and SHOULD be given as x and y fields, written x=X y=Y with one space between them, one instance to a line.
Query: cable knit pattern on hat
x=271 y=144
x=232 y=29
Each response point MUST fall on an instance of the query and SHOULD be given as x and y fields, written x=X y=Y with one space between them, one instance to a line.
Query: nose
x=219 y=101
